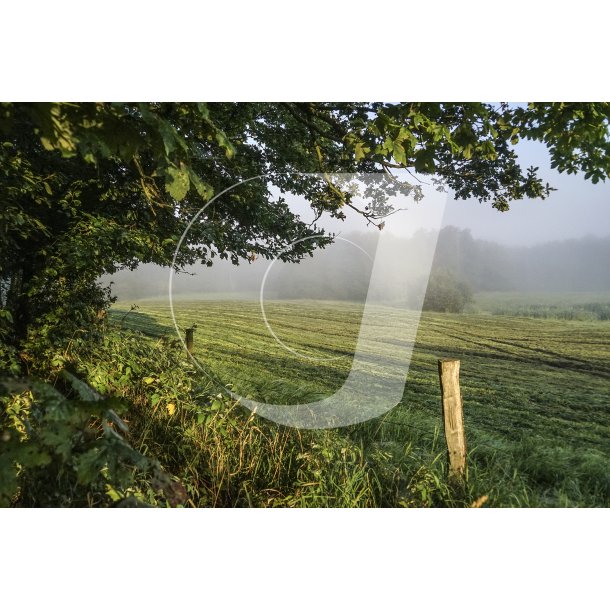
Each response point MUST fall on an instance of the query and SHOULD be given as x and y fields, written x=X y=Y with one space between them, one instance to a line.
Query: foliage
x=587 y=311
x=446 y=293
x=581 y=306
x=559 y=126
x=59 y=450
x=556 y=266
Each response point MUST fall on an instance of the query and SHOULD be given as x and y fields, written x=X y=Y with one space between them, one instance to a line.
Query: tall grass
x=223 y=454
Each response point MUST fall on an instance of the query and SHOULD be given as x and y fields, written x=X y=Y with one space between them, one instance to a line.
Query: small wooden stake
x=453 y=416
x=189 y=340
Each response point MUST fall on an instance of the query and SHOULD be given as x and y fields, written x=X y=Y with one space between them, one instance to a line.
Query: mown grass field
x=536 y=391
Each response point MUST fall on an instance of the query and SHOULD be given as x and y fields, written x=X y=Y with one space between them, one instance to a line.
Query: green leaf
x=171 y=138
x=216 y=405
x=5 y=314
x=177 y=181
x=424 y=161
x=361 y=150
x=204 y=190
x=225 y=143
x=88 y=465
x=84 y=391
x=399 y=153
x=112 y=493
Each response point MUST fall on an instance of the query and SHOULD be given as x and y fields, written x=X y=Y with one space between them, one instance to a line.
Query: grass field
x=536 y=391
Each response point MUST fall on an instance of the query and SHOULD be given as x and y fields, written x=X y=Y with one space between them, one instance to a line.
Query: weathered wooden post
x=189 y=340
x=453 y=417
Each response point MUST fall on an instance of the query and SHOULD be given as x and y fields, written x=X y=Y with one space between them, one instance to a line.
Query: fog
x=558 y=245
x=576 y=209
x=342 y=271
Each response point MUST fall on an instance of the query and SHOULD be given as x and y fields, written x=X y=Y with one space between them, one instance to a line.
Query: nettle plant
x=69 y=448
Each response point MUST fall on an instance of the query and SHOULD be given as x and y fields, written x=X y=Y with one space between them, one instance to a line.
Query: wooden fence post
x=453 y=417
x=189 y=340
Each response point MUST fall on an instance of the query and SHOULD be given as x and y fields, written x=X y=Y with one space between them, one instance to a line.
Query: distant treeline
x=342 y=271
x=560 y=266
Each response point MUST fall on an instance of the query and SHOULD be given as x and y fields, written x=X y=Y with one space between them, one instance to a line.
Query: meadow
x=536 y=390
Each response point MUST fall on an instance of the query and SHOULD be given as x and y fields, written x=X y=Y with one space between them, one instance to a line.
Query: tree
x=446 y=293
x=90 y=188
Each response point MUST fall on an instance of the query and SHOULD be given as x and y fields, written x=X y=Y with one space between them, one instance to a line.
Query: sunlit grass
x=536 y=392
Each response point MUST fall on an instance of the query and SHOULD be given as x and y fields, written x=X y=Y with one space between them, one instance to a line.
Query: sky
x=576 y=209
